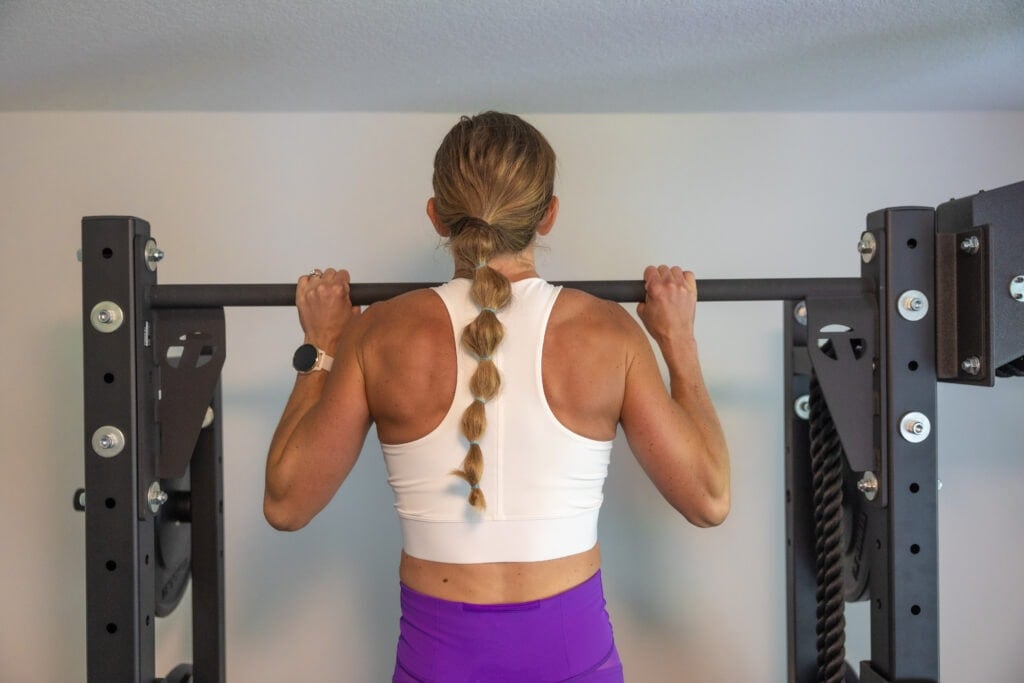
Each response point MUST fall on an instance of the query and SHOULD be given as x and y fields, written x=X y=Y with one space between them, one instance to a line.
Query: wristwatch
x=309 y=358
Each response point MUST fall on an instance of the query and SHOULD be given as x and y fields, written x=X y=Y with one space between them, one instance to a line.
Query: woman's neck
x=515 y=267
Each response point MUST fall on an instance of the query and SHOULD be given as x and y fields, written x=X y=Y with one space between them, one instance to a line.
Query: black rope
x=1015 y=368
x=827 y=481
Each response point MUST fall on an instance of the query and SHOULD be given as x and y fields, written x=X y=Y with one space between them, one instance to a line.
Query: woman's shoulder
x=416 y=310
x=594 y=315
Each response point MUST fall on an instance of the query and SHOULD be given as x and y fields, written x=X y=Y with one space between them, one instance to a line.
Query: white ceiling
x=519 y=55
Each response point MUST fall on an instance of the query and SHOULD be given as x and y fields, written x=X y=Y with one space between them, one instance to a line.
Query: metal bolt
x=970 y=245
x=208 y=417
x=800 y=312
x=971 y=365
x=78 y=255
x=867 y=247
x=1017 y=288
x=913 y=305
x=154 y=254
x=802 y=407
x=107 y=441
x=156 y=496
x=915 y=427
x=868 y=485
x=106 y=316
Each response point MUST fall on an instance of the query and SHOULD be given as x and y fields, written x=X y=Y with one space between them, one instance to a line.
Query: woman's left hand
x=322 y=299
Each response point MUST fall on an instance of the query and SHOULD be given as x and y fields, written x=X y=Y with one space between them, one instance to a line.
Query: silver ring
x=316 y=272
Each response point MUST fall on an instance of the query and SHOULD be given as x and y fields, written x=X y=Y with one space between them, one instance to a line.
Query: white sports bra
x=543 y=483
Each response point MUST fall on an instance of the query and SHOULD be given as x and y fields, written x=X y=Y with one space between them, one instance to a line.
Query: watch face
x=304 y=358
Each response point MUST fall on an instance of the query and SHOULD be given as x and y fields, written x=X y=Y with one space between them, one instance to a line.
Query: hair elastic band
x=482 y=264
x=474 y=443
x=483 y=358
x=479 y=399
x=488 y=308
x=475 y=486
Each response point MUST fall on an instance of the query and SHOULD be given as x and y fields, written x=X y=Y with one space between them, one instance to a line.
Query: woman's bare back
x=408 y=358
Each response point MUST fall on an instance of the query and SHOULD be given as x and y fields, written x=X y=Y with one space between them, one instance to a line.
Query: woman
x=496 y=398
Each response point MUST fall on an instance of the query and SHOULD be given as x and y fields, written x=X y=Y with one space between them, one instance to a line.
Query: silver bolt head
x=107 y=441
x=153 y=255
x=867 y=247
x=802 y=407
x=868 y=485
x=912 y=305
x=915 y=427
x=106 y=316
x=970 y=245
x=800 y=312
x=156 y=497
x=971 y=365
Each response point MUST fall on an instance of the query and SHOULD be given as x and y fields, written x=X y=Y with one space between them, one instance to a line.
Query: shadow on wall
x=330 y=590
x=49 y=475
x=669 y=621
x=708 y=604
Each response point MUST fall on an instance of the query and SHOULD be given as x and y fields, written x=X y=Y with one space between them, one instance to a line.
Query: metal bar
x=208 y=550
x=119 y=538
x=623 y=291
x=801 y=583
x=904 y=533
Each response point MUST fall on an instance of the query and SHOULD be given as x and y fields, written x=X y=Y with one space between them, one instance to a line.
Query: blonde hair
x=493 y=182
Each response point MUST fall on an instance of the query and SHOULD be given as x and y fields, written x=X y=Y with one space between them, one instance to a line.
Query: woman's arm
x=325 y=421
x=676 y=437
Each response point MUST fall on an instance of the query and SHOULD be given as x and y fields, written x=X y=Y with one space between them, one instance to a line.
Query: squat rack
x=940 y=298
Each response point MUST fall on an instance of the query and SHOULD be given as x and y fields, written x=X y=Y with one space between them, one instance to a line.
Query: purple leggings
x=567 y=637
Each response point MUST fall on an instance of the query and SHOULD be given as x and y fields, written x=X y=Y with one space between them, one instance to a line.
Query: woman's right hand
x=671 y=304
x=324 y=306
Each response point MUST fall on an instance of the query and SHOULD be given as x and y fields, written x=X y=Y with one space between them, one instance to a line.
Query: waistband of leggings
x=592 y=586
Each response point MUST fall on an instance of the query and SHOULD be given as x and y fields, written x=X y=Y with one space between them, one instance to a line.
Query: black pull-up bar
x=622 y=291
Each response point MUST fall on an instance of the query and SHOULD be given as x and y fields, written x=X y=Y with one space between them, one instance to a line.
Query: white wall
x=262 y=198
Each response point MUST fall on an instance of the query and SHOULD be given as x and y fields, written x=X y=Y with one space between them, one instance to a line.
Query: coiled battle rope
x=1015 y=368
x=827 y=482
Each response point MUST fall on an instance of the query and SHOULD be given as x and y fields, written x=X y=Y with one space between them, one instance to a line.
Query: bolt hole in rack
x=940 y=298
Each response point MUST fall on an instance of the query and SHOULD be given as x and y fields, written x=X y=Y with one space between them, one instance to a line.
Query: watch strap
x=323 y=361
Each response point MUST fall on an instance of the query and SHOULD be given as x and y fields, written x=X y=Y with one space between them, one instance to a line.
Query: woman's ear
x=439 y=227
x=550 y=216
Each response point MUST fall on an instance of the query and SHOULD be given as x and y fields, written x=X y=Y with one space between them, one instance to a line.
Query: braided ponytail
x=491 y=291
x=493 y=183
